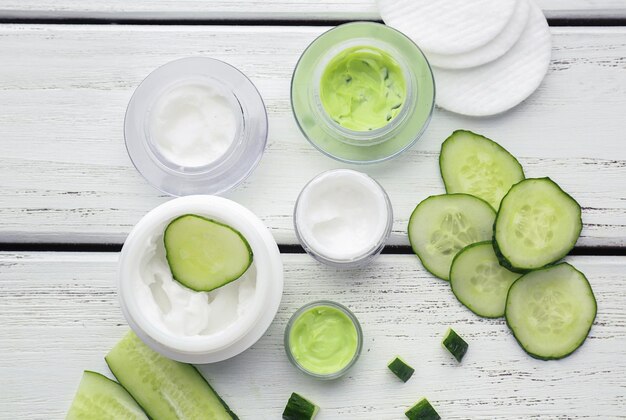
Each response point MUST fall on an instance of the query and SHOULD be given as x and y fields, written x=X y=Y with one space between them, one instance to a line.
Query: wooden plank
x=59 y=316
x=65 y=175
x=260 y=9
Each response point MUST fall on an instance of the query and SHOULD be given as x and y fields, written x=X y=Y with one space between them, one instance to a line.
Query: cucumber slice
x=299 y=408
x=479 y=281
x=475 y=165
x=99 y=398
x=550 y=311
x=204 y=254
x=401 y=369
x=455 y=344
x=537 y=225
x=422 y=411
x=164 y=388
x=442 y=225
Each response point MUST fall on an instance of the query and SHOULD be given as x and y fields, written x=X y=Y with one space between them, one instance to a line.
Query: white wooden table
x=68 y=188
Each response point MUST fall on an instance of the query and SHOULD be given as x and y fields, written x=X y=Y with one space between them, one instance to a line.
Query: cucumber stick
x=422 y=410
x=475 y=165
x=164 y=388
x=204 y=254
x=442 y=225
x=537 y=225
x=550 y=311
x=299 y=408
x=401 y=369
x=479 y=281
x=99 y=398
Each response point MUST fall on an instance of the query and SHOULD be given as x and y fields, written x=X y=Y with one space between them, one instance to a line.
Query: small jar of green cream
x=323 y=339
x=362 y=93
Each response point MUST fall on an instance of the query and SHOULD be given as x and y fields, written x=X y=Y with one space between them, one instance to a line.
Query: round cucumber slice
x=475 y=165
x=479 y=281
x=538 y=224
x=204 y=254
x=550 y=311
x=442 y=225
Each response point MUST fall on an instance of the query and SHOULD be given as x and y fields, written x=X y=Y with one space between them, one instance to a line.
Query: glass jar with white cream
x=343 y=218
x=194 y=326
x=195 y=126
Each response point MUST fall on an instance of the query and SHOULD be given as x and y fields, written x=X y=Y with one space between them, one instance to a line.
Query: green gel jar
x=362 y=93
x=323 y=339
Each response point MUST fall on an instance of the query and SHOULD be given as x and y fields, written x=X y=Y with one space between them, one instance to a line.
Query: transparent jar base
x=349 y=314
x=335 y=143
x=234 y=165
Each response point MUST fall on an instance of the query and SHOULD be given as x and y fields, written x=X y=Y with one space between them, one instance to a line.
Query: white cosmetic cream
x=192 y=124
x=190 y=326
x=343 y=217
x=180 y=310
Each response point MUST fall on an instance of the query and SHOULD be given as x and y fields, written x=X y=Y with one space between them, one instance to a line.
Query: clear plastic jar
x=233 y=166
x=343 y=218
x=372 y=145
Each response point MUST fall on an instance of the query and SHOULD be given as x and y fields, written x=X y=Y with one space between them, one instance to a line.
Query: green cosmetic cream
x=362 y=88
x=323 y=340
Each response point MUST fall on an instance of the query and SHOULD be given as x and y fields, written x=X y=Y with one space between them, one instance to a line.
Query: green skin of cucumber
x=539 y=357
x=299 y=408
x=399 y=368
x=455 y=345
x=422 y=411
x=523 y=270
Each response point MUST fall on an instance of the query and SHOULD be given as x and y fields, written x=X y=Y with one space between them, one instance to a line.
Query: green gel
x=323 y=340
x=362 y=88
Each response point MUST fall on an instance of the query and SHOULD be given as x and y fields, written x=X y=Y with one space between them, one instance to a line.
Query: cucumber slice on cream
x=550 y=311
x=442 y=225
x=98 y=397
x=538 y=224
x=475 y=165
x=204 y=254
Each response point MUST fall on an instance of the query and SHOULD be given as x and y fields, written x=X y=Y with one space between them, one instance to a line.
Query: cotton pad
x=448 y=26
x=500 y=85
x=494 y=49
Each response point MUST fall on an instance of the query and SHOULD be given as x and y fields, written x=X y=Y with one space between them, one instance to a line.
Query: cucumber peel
x=401 y=369
x=455 y=344
x=204 y=254
x=422 y=410
x=98 y=397
x=299 y=408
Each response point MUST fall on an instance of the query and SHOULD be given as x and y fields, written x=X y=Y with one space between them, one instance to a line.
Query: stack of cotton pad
x=487 y=55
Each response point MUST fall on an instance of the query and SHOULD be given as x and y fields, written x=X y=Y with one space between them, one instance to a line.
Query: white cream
x=182 y=311
x=192 y=124
x=342 y=215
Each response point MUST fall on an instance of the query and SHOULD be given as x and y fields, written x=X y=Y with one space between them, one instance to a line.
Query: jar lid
x=226 y=171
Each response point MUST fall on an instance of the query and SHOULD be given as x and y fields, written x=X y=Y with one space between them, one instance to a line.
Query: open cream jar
x=190 y=326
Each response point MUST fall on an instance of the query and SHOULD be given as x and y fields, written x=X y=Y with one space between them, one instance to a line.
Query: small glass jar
x=229 y=169
x=345 y=311
x=369 y=146
x=313 y=215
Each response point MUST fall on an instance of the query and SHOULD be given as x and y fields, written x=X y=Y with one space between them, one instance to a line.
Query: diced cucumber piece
x=99 y=398
x=204 y=254
x=455 y=344
x=401 y=369
x=479 y=281
x=422 y=411
x=475 y=165
x=299 y=408
x=550 y=311
x=164 y=388
x=442 y=225
x=537 y=224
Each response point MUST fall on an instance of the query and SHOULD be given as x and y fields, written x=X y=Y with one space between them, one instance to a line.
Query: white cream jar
x=190 y=326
